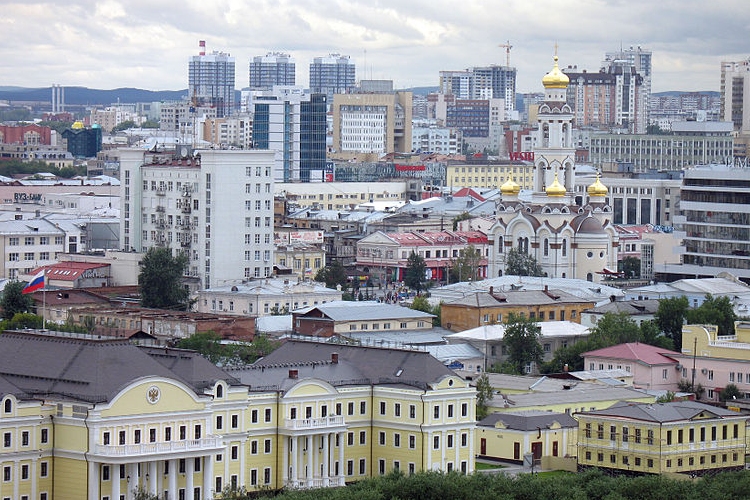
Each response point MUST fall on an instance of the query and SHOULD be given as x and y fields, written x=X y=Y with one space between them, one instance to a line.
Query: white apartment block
x=341 y=195
x=440 y=140
x=215 y=206
x=735 y=94
x=234 y=131
x=28 y=244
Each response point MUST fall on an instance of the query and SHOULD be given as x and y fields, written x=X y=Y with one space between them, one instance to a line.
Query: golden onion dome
x=556 y=189
x=78 y=125
x=555 y=79
x=510 y=188
x=597 y=188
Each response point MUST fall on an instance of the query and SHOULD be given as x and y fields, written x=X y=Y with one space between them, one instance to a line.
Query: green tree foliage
x=611 y=329
x=333 y=274
x=592 y=484
x=150 y=124
x=16 y=166
x=729 y=393
x=123 y=126
x=484 y=395
x=15 y=114
x=58 y=127
x=421 y=303
x=518 y=263
x=209 y=344
x=465 y=267
x=461 y=217
x=670 y=316
x=714 y=311
x=141 y=493
x=666 y=398
x=14 y=301
x=522 y=341
x=160 y=280
x=416 y=269
x=631 y=267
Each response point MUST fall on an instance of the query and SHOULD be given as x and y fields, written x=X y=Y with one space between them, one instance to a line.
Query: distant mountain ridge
x=87 y=96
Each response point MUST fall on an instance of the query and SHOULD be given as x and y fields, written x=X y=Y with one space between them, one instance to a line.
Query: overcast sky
x=147 y=43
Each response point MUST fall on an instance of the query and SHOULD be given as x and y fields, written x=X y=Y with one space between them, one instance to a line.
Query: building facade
x=168 y=422
x=211 y=81
x=332 y=74
x=372 y=123
x=215 y=206
x=680 y=437
x=275 y=68
x=735 y=94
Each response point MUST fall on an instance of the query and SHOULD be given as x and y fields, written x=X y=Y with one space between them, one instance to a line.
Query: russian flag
x=37 y=283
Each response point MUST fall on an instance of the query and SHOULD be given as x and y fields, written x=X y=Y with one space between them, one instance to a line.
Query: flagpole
x=44 y=300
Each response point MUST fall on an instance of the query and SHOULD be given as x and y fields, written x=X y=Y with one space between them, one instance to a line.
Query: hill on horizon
x=87 y=96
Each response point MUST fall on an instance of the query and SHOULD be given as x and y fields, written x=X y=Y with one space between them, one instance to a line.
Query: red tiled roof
x=635 y=351
x=69 y=271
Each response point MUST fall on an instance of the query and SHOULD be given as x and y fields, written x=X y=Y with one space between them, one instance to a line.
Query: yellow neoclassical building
x=86 y=418
x=684 y=437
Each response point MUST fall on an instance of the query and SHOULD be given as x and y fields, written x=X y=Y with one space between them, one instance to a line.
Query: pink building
x=653 y=368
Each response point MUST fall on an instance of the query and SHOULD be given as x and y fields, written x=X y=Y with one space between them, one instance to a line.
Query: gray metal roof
x=528 y=420
x=93 y=370
x=356 y=365
x=344 y=310
x=631 y=307
x=517 y=297
x=664 y=412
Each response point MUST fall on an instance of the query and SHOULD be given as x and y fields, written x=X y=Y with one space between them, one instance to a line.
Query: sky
x=108 y=44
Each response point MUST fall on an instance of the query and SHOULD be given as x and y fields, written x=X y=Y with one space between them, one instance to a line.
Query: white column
x=469 y=460
x=94 y=480
x=310 y=450
x=342 y=472
x=131 y=477
x=152 y=477
x=189 y=471
x=172 y=480
x=208 y=477
x=160 y=477
x=428 y=445
x=326 y=458
x=284 y=461
x=295 y=452
x=114 y=475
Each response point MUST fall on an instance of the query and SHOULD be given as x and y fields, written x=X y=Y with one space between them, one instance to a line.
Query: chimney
x=546 y=288
x=492 y=289
x=335 y=358
x=202 y=46
x=293 y=374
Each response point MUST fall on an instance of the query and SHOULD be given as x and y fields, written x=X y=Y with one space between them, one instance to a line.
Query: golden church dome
x=555 y=79
x=556 y=189
x=597 y=188
x=510 y=188
x=78 y=125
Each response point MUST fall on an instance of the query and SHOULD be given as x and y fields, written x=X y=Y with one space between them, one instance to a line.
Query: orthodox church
x=568 y=237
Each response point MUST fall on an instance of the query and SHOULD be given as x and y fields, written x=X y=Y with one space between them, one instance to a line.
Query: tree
x=14 y=301
x=160 y=280
x=420 y=303
x=522 y=342
x=729 y=393
x=123 y=126
x=332 y=274
x=466 y=266
x=670 y=316
x=522 y=264
x=613 y=329
x=207 y=344
x=415 y=272
x=461 y=217
x=714 y=311
x=484 y=395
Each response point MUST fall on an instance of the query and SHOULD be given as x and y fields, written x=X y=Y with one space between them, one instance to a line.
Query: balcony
x=318 y=482
x=161 y=192
x=160 y=209
x=208 y=444
x=307 y=424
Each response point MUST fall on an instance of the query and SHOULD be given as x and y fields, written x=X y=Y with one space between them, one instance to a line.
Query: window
x=362 y=467
x=382 y=407
x=254 y=416
x=381 y=438
x=450 y=411
x=349 y=467
x=363 y=407
x=6 y=473
x=234 y=452
x=412 y=411
x=183 y=432
x=362 y=437
x=152 y=435
x=267 y=475
x=167 y=434
x=450 y=440
x=436 y=411
x=105 y=472
x=254 y=447
x=105 y=437
x=219 y=421
x=25 y=471
x=197 y=431
x=397 y=409
x=464 y=409
x=268 y=415
x=137 y=436
x=436 y=442
x=43 y=469
x=267 y=446
x=6 y=440
x=235 y=421
x=397 y=440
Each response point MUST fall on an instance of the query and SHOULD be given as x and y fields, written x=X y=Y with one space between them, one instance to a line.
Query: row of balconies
x=162 y=448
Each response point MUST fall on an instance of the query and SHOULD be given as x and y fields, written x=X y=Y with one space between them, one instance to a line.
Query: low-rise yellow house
x=93 y=418
x=509 y=436
x=683 y=437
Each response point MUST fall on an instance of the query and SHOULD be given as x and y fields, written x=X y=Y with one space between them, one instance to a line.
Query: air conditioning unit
x=678 y=367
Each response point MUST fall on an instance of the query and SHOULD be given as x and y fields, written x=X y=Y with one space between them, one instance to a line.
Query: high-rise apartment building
x=735 y=94
x=275 y=68
x=332 y=74
x=487 y=82
x=617 y=96
x=211 y=80
x=215 y=206
x=292 y=123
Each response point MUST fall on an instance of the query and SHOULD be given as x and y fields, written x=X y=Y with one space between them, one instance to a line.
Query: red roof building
x=653 y=368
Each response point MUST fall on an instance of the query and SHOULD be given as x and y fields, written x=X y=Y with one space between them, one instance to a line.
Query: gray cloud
x=113 y=43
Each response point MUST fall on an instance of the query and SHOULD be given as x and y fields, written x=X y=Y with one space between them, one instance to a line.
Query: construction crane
x=507 y=47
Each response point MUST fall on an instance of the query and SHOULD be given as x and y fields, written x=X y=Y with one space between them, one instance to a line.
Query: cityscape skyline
x=109 y=44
